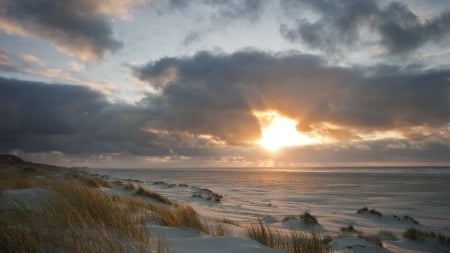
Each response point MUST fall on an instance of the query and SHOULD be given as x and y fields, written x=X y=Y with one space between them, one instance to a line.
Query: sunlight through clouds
x=278 y=132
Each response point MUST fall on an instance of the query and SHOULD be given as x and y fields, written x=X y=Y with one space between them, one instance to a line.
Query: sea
x=332 y=194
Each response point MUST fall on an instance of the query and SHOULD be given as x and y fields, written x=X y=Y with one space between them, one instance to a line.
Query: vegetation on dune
x=350 y=229
x=292 y=241
x=14 y=180
x=415 y=234
x=179 y=216
x=129 y=186
x=372 y=239
x=309 y=219
x=74 y=218
x=387 y=235
x=230 y=222
x=69 y=214
x=141 y=191
x=369 y=211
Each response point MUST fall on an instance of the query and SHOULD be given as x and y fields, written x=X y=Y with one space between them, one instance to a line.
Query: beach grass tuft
x=292 y=241
x=387 y=235
x=372 y=239
x=129 y=186
x=309 y=219
x=415 y=234
x=141 y=191
x=217 y=229
x=350 y=229
x=230 y=222
x=179 y=216
x=14 y=180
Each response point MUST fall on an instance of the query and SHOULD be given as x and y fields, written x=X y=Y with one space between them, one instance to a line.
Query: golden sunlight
x=278 y=132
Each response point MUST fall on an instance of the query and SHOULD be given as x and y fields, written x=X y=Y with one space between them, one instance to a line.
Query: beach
x=222 y=210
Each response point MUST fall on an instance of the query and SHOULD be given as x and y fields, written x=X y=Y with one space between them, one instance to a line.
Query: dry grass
x=75 y=218
x=14 y=180
x=309 y=219
x=217 y=229
x=18 y=239
x=415 y=234
x=230 y=222
x=350 y=229
x=129 y=186
x=372 y=239
x=179 y=216
x=141 y=191
x=387 y=235
x=292 y=241
x=91 y=181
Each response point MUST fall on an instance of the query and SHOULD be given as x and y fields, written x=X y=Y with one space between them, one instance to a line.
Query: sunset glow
x=278 y=132
x=225 y=83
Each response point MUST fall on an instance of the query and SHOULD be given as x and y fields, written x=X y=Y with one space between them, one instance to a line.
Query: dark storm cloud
x=74 y=26
x=73 y=119
x=206 y=102
x=214 y=106
x=42 y=109
x=41 y=117
x=343 y=23
x=208 y=86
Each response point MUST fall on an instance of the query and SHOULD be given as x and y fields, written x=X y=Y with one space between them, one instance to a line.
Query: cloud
x=342 y=24
x=77 y=120
x=31 y=59
x=223 y=11
x=5 y=64
x=79 y=28
x=207 y=85
x=204 y=106
x=242 y=9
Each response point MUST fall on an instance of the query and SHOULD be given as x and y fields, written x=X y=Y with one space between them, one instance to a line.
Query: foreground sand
x=46 y=208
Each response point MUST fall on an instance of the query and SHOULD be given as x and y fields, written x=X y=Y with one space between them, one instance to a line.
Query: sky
x=239 y=83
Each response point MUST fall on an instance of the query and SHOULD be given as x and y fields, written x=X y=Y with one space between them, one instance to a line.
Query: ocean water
x=332 y=194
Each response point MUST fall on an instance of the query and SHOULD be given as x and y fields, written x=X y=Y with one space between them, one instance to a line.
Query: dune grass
x=372 y=238
x=230 y=222
x=14 y=180
x=129 y=186
x=91 y=181
x=350 y=229
x=415 y=234
x=179 y=216
x=387 y=235
x=309 y=219
x=217 y=229
x=375 y=239
x=141 y=191
x=74 y=218
x=292 y=241
x=18 y=239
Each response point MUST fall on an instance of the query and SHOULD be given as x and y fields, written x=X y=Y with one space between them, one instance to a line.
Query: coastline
x=199 y=232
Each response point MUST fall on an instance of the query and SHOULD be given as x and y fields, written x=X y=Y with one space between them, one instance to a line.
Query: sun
x=278 y=132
